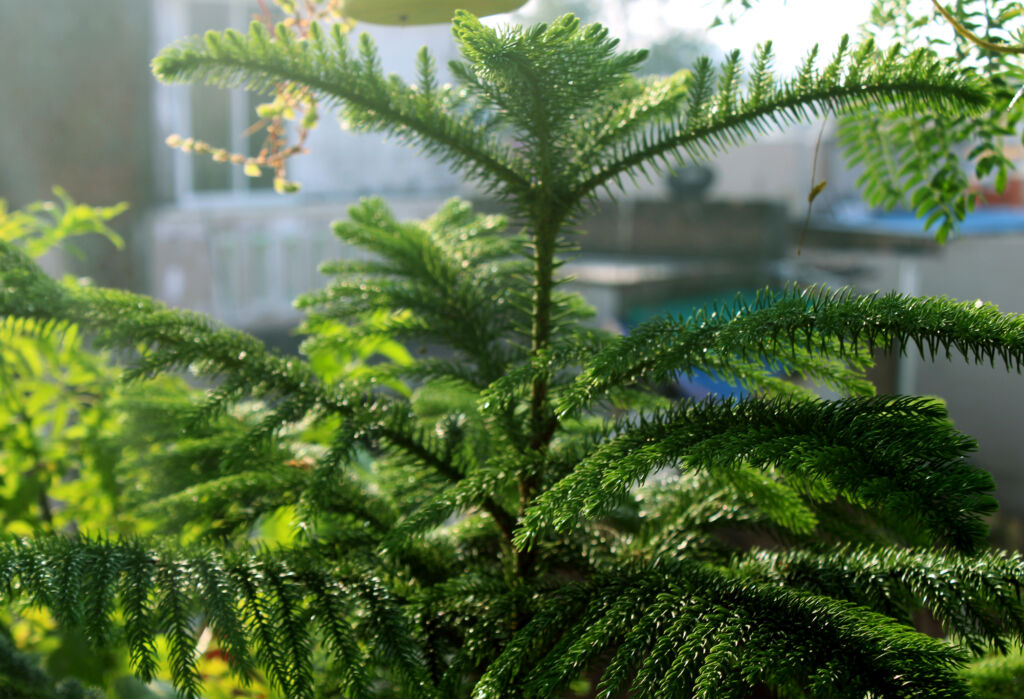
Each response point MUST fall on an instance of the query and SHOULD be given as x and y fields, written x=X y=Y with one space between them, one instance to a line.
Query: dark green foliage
x=21 y=678
x=776 y=327
x=730 y=627
x=886 y=454
x=260 y=605
x=516 y=509
x=975 y=597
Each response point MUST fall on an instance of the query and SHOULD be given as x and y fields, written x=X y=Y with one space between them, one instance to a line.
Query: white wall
x=985 y=402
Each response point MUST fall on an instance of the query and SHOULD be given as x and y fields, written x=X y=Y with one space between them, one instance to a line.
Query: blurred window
x=219 y=117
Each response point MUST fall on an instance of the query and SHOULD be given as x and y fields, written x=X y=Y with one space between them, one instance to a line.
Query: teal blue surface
x=701 y=384
x=687 y=305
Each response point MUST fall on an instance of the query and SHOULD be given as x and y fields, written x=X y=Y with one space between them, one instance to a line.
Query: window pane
x=211 y=115
x=211 y=106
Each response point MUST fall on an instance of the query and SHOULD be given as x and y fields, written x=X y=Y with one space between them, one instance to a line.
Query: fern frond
x=716 y=119
x=369 y=100
x=898 y=454
x=776 y=325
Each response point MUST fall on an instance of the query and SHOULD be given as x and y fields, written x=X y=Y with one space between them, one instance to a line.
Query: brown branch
x=974 y=38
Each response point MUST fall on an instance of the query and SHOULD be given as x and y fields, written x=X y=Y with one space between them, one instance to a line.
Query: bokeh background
x=79 y=109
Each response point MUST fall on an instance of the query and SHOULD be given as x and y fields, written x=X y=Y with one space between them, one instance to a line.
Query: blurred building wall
x=75 y=96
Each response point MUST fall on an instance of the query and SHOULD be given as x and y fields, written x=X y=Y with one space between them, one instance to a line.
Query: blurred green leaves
x=42 y=226
x=57 y=395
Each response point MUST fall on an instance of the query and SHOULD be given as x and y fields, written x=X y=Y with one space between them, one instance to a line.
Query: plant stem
x=501 y=517
x=542 y=421
x=541 y=335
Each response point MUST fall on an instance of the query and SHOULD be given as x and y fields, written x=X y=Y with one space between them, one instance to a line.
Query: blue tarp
x=989 y=220
x=700 y=385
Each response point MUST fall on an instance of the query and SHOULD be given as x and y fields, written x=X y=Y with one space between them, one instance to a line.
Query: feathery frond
x=775 y=326
x=353 y=80
x=861 y=447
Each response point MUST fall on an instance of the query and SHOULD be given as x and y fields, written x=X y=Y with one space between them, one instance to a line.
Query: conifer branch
x=270 y=595
x=717 y=119
x=407 y=580
x=448 y=280
x=774 y=325
x=181 y=338
x=718 y=636
x=369 y=99
x=394 y=425
x=686 y=508
x=219 y=499
x=539 y=81
x=177 y=339
x=21 y=677
x=977 y=599
x=861 y=446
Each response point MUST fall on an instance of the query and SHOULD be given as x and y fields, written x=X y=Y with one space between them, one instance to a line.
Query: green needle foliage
x=518 y=512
